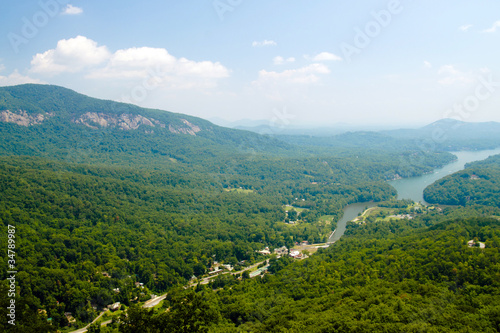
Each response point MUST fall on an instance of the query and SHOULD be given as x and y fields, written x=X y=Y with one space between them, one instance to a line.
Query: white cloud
x=280 y=60
x=465 y=28
x=161 y=68
x=450 y=75
x=427 y=65
x=304 y=75
x=326 y=56
x=493 y=28
x=264 y=43
x=83 y=55
x=72 y=10
x=2 y=67
x=15 y=78
x=70 y=55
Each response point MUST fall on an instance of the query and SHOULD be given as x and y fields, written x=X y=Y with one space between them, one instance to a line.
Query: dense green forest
x=83 y=231
x=479 y=183
x=114 y=203
x=404 y=276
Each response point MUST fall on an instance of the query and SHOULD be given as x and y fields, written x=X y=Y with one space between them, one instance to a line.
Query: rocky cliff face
x=22 y=118
x=97 y=120
x=124 y=121
x=131 y=122
x=190 y=129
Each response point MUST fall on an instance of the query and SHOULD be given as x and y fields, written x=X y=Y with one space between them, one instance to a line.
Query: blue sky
x=289 y=63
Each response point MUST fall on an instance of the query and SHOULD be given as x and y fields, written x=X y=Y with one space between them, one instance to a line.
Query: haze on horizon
x=289 y=63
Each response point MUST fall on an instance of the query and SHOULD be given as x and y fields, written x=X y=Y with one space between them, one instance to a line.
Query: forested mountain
x=400 y=157
x=74 y=127
x=479 y=183
x=83 y=232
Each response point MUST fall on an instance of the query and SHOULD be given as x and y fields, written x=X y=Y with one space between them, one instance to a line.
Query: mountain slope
x=72 y=126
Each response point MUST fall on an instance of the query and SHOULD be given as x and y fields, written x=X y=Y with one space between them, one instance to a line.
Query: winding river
x=413 y=188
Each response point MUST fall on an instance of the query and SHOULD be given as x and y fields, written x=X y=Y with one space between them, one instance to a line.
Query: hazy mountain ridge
x=452 y=134
x=442 y=135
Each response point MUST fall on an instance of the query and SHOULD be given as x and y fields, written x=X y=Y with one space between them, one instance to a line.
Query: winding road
x=155 y=301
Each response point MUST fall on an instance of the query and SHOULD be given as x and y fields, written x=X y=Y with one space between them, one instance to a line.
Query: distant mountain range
x=269 y=127
x=451 y=134
x=444 y=134
x=56 y=122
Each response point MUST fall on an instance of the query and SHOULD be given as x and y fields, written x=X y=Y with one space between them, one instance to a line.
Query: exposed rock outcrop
x=131 y=122
x=124 y=121
x=23 y=118
x=190 y=129
x=97 y=120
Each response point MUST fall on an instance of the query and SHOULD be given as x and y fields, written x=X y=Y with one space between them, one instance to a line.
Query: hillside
x=398 y=276
x=479 y=183
x=74 y=127
x=350 y=140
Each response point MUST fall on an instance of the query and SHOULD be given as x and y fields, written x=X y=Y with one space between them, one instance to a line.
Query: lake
x=413 y=188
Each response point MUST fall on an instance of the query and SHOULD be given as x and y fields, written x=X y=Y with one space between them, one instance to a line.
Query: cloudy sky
x=287 y=62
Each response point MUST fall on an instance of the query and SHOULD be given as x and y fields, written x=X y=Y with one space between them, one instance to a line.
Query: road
x=207 y=279
x=82 y=330
x=148 y=304
x=155 y=301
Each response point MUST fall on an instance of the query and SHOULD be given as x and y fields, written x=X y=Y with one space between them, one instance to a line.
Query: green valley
x=113 y=204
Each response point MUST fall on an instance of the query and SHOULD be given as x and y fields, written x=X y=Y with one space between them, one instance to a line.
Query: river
x=413 y=188
x=350 y=213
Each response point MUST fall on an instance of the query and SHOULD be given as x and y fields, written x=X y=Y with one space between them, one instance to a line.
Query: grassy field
x=327 y=219
x=299 y=210
x=311 y=249
x=239 y=190
x=386 y=214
